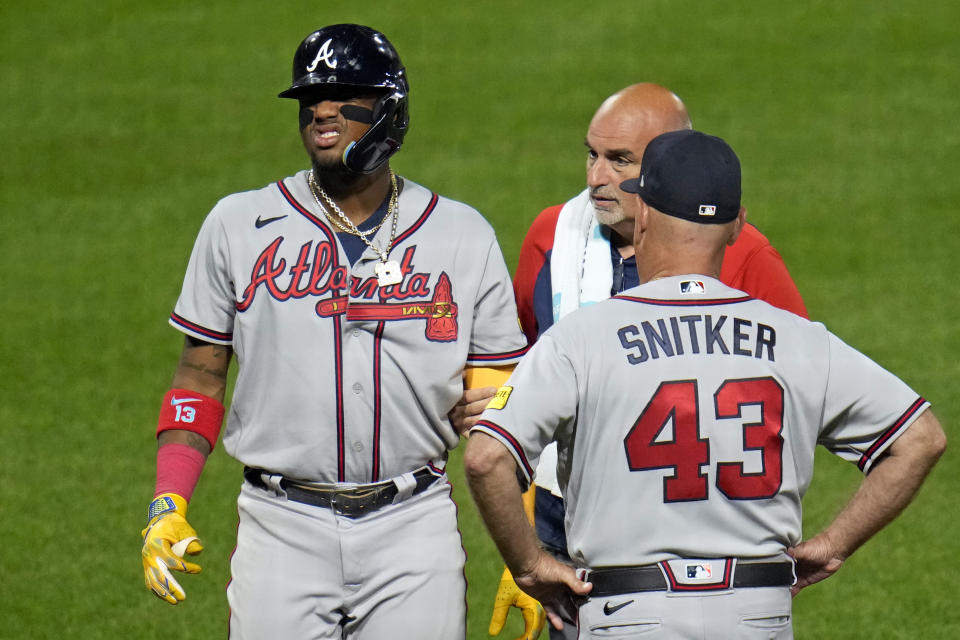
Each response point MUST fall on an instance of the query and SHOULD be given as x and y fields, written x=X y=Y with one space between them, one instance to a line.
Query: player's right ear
x=640 y=222
x=737 y=226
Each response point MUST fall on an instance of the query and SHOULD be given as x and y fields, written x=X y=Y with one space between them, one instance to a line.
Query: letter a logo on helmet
x=325 y=54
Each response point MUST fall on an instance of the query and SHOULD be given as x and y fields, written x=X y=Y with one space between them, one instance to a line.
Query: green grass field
x=122 y=124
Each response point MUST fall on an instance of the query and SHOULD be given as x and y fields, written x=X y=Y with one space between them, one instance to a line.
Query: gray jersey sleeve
x=538 y=402
x=207 y=302
x=864 y=406
x=496 y=338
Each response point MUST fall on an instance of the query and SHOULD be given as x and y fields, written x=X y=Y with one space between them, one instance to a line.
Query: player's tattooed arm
x=202 y=368
x=189 y=438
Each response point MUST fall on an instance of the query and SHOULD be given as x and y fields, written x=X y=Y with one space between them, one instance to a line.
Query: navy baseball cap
x=691 y=175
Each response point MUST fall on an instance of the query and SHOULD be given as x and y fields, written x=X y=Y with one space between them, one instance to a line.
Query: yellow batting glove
x=510 y=595
x=166 y=538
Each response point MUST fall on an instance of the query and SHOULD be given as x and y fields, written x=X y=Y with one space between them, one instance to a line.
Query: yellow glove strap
x=164 y=503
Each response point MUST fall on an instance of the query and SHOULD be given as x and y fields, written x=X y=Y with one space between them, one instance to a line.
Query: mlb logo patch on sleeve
x=499 y=401
x=691 y=286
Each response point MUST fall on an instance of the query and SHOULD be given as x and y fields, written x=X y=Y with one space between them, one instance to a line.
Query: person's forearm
x=203 y=368
x=491 y=473
x=889 y=487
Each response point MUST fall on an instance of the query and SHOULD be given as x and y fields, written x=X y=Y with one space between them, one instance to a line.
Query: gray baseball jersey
x=687 y=414
x=341 y=380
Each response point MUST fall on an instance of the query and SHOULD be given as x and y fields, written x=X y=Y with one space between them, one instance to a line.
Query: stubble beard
x=609 y=217
x=332 y=174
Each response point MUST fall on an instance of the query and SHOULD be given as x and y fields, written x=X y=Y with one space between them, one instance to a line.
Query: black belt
x=611 y=581
x=351 y=502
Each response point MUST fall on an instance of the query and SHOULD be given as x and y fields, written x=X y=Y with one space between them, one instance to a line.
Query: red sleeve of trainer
x=191 y=411
x=178 y=469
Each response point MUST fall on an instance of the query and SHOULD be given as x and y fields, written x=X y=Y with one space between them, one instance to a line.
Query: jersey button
x=356 y=333
x=357 y=388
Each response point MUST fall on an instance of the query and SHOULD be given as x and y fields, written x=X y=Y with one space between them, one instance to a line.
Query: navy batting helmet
x=349 y=58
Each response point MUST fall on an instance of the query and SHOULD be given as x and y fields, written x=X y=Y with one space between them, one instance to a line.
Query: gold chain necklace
x=347 y=225
x=388 y=271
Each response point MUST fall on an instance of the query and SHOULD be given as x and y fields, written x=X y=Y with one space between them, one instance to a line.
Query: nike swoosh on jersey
x=174 y=401
x=608 y=610
x=261 y=222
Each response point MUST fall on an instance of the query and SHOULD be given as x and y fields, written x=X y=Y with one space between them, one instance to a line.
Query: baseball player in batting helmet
x=356 y=302
x=349 y=58
x=686 y=414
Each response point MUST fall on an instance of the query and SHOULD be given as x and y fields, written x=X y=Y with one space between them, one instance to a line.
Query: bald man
x=581 y=252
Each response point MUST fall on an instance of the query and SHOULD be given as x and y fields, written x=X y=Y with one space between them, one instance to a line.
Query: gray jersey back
x=687 y=416
x=340 y=380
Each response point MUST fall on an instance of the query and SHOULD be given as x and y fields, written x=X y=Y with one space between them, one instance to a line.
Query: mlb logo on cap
x=708 y=210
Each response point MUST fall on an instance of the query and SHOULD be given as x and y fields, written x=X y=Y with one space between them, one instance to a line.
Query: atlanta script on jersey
x=687 y=414
x=321 y=394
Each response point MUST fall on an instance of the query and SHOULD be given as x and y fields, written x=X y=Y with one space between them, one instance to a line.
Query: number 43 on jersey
x=687 y=453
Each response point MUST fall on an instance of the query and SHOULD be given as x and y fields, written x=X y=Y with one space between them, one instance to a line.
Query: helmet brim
x=316 y=84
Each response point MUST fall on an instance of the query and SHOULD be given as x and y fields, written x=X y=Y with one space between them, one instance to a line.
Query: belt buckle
x=353 y=503
x=699 y=574
x=341 y=505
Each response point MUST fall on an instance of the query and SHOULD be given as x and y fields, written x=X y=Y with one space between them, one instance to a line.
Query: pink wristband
x=178 y=469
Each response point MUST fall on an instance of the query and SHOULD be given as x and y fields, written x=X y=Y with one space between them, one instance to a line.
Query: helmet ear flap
x=382 y=140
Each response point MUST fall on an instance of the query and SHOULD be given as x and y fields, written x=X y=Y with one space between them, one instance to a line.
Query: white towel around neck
x=581 y=274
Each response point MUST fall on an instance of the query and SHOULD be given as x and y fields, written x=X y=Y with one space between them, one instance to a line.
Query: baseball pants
x=762 y=613
x=304 y=572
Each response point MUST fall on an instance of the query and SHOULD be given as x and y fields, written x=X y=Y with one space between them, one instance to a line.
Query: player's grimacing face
x=325 y=131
